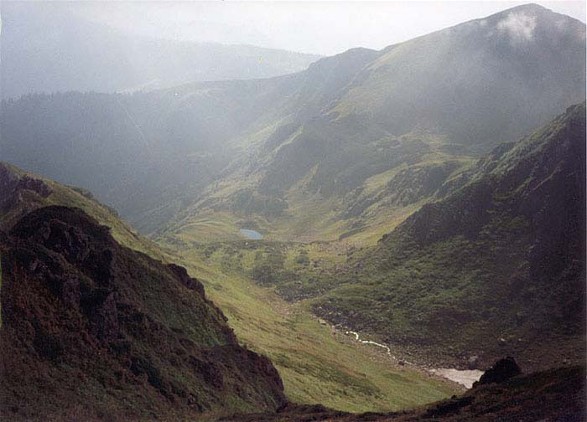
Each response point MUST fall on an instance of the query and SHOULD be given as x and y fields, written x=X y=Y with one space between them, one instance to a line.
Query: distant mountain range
x=319 y=152
x=47 y=48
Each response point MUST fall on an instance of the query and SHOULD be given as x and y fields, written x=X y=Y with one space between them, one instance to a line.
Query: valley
x=364 y=235
x=315 y=363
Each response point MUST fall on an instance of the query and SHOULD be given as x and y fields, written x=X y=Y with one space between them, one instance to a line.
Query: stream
x=357 y=338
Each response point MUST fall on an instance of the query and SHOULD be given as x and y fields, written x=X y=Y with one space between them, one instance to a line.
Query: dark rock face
x=448 y=407
x=17 y=192
x=503 y=370
x=186 y=280
x=81 y=314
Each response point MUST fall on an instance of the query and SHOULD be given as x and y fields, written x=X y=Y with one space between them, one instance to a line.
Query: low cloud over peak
x=519 y=26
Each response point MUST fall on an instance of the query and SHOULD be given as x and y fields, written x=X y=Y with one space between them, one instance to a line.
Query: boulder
x=501 y=371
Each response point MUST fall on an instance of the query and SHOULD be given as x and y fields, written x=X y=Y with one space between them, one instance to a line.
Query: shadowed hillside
x=91 y=329
x=554 y=395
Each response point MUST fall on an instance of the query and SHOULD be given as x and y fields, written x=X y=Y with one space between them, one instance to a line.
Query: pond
x=251 y=234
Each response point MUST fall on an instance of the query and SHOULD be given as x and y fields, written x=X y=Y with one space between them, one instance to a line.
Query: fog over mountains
x=324 y=131
x=46 y=47
x=411 y=209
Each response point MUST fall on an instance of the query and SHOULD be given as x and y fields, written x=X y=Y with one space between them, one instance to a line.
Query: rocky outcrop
x=19 y=192
x=91 y=327
x=503 y=370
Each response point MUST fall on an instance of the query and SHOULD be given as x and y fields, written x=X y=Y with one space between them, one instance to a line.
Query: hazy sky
x=326 y=27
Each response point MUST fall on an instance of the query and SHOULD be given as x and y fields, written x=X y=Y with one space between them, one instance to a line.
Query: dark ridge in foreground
x=93 y=330
x=553 y=395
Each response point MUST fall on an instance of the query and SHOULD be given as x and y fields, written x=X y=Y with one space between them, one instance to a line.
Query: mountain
x=485 y=71
x=49 y=47
x=481 y=249
x=91 y=329
x=302 y=348
x=313 y=155
x=497 y=266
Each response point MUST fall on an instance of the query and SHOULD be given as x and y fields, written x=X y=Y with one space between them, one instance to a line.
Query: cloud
x=518 y=26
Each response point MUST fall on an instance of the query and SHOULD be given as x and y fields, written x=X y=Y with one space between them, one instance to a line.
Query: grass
x=317 y=364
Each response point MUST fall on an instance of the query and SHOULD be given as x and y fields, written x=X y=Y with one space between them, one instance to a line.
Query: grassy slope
x=497 y=259
x=317 y=365
x=360 y=217
x=446 y=292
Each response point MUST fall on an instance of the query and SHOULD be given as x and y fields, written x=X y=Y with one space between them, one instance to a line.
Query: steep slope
x=485 y=71
x=93 y=329
x=48 y=47
x=300 y=154
x=498 y=265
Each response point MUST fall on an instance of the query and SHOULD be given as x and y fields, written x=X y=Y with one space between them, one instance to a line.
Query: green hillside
x=387 y=200
x=495 y=267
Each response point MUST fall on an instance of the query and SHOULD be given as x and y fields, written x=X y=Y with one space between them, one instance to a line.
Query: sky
x=320 y=27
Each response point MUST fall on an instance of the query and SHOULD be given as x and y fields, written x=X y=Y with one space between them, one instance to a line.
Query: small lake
x=251 y=234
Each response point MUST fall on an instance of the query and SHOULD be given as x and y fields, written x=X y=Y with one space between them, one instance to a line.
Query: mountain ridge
x=92 y=329
x=331 y=133
x=122 y=61
x=482 y=259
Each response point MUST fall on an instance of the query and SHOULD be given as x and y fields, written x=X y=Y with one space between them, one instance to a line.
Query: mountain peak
x=530 y=9
x=533 y=11
x=527 y=7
